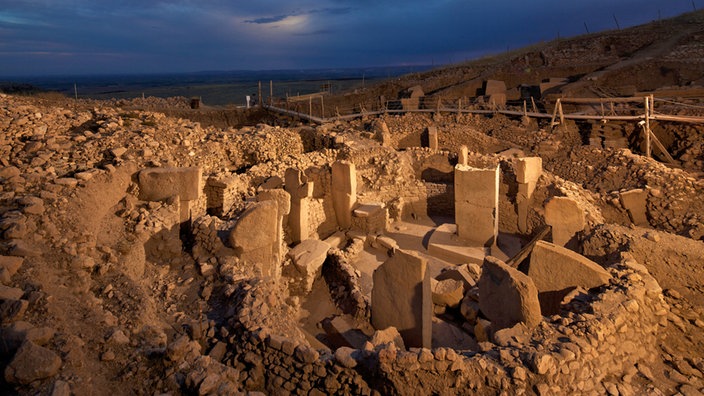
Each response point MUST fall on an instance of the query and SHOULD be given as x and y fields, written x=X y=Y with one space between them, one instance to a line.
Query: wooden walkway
x=573 y=116
x=556 y=118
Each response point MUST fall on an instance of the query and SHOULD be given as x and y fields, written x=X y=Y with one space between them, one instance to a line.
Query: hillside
x=620 y=62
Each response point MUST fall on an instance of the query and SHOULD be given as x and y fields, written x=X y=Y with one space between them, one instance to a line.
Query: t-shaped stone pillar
x=401 y=297
x=300 y=189
x=477 y=204
x=528 y=171
x=565 y=217
x=344 y=191
x=283 y=205
x=157 y=184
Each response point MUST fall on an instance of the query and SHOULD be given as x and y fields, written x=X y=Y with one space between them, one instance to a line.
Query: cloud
x=278 y=18
x=266 y=20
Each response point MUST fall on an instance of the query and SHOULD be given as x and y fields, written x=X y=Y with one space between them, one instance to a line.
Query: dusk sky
x=40 y=37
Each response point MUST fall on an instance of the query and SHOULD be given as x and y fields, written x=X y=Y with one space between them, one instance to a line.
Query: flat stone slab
x=446 y=245
x=156 y=184
x=554 y=267
x=556 y=271
x=336 y=240
x=367 y=210
x=635 y=202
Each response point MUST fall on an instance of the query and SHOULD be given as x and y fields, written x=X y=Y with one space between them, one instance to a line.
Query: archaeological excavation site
x=526 y=224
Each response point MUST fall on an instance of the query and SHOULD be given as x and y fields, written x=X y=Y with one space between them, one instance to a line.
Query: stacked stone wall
x=579 y=351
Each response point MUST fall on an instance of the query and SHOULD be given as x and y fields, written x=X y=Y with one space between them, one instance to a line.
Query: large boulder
x=9 y=266
x=31 y=363
x=448 y=292
x=507 y=296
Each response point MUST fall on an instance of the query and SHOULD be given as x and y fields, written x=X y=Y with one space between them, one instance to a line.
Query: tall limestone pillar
x=283 y=205
x=300 y=189
x=344 y=191
x=528 y=171
x=477 y=204
x=401 y=297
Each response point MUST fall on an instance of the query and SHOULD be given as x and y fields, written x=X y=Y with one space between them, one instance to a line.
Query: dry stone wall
x=583 y=350
x=671 y=200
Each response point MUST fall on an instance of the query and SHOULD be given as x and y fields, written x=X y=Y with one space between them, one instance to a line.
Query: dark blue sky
x=39 y=37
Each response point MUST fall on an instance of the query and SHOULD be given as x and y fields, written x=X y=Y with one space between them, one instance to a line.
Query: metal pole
x=271 y=91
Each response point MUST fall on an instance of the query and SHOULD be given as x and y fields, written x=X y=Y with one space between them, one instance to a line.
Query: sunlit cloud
x=265 y=20
x=294 y=22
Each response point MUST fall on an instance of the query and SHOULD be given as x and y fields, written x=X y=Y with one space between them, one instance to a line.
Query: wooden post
x=271 y=91
x=322 y=106
x=459 y=105
x=525 y=109
x=662 y=148
x=310 y=106
x=525 y=251
x=259 y=98
x=562 y=115
x=535 y=107
x=647 y=126
x=554 y=113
